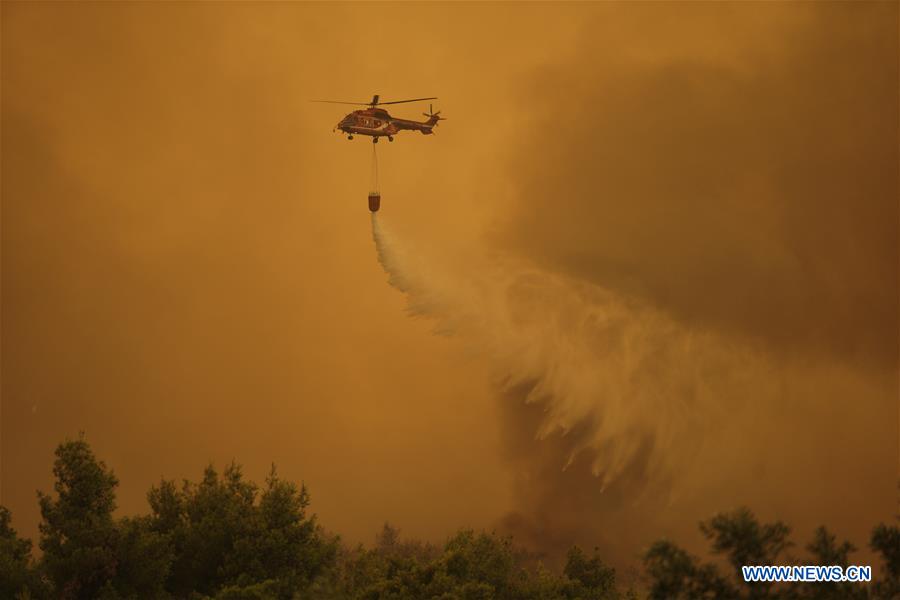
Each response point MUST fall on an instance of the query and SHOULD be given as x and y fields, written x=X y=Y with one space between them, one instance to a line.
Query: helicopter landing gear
x=349 y=137
x=390 y=138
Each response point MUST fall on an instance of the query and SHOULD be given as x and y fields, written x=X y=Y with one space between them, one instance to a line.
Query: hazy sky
x=189 y=273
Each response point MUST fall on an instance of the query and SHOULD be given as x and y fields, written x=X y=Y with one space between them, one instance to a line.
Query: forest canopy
x=224 y=537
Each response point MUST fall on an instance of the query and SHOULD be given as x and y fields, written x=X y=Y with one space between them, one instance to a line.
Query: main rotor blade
x=336 y=102
x=413 y=100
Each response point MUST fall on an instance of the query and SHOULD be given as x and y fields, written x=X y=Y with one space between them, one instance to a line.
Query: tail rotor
x=433 y=118
x=434 y=115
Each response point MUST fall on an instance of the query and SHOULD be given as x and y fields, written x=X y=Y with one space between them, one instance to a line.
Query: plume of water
x=634 y=383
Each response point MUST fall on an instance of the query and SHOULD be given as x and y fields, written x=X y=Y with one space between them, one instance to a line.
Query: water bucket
x=374 y=201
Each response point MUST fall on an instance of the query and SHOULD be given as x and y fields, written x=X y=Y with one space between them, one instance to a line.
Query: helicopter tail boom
x=425 y=127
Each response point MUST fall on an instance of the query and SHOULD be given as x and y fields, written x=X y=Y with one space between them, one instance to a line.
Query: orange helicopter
x=376 y=122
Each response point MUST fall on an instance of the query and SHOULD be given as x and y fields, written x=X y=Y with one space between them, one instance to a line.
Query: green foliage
x=225 y=538
x=87 y=553
x=479 y=562
x=825 y=550
x=143 y=559
x=78 y=535
x=225 y=535
x=744 y=540
x=886 y=541
x=18 y=577
x=590 y=578
x=219 y=537
x=471 y=565
x=676 y=575
x=391 y=569
x=265 y=590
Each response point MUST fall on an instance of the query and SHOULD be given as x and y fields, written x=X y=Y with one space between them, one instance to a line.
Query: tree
x=78 y=535
x=676 y=575
x=826 y=551
x=886 y=541
x=388 y=544
x=224 y=538
x=745 y=541
x=471 y=566
x=737 y=535
x=283 y=544
x=17 y=575
x=143 y=559
x=225 y=535
x=591 y=578
x=481 y=560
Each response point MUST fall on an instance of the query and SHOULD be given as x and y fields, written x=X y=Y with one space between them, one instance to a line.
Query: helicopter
x=376 y=122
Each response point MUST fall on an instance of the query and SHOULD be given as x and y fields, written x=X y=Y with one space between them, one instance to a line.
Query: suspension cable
x=375 y=187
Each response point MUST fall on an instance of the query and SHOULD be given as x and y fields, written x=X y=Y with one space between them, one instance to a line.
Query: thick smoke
x=732 y=169
x=621 y=423
x=696 y=307
x=734 y=165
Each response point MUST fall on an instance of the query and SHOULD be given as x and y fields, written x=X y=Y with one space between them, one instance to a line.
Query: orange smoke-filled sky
x=189 y=273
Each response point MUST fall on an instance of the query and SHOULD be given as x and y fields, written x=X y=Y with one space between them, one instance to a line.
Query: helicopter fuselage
x=376 y=122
